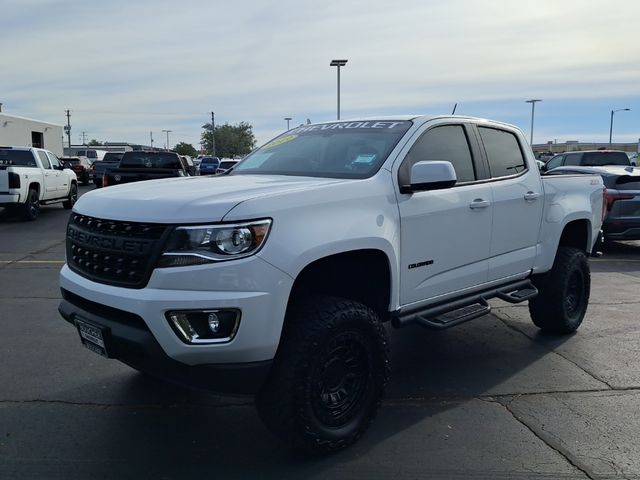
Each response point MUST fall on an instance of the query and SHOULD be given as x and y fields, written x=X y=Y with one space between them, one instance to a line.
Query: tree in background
x=231 y=140
x=183 y=148
x=94 y=143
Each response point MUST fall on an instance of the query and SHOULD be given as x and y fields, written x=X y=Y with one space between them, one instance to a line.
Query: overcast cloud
x=125 y=68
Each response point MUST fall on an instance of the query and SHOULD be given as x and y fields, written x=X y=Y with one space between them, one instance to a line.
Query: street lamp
x=338 y=63
x=288 y=119
x=611 y=123
x=533 y=109
x=167 y=132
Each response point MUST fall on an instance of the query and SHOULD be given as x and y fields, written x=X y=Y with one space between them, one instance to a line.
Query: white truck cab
x=276 y=277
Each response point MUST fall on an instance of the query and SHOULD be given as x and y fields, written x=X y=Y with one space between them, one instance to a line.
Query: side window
x=554 y=162
x=44 y=159
x=572 y=159
x=503 y=152
x=449 y=143
x=55 y=163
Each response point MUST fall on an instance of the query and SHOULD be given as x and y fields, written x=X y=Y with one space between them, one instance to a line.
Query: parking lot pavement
x=491 y=399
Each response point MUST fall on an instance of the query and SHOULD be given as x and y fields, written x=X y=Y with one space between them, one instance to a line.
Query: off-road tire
x=562 y=302
x=328 y=377
x=72 y=198
x=31 y=207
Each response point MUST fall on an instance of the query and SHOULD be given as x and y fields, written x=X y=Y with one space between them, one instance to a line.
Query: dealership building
x=26 y=132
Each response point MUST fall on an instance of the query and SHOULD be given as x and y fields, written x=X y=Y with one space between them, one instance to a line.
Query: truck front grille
x=113 y=252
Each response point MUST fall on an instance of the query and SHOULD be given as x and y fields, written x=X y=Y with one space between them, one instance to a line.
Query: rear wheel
x=564 y=293
x=328 y=377
x=31 y=208
x=72 y=198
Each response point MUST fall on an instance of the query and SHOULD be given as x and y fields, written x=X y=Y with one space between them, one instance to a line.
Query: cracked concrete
x=491 y=399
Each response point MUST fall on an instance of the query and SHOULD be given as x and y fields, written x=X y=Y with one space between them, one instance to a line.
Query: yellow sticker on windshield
x=279 y=141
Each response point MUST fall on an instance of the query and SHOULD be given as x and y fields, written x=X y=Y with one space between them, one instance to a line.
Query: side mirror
x=435 y=175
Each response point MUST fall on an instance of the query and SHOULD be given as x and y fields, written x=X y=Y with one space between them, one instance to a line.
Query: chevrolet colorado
x=276 y=278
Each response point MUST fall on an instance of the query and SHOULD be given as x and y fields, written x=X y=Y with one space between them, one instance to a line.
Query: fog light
x=205 y=326
x=214 y=322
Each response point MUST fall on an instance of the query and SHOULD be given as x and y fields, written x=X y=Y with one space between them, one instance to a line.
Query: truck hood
x=190 y=199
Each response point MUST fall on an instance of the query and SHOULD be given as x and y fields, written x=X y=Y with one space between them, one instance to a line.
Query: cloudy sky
x=128 y=67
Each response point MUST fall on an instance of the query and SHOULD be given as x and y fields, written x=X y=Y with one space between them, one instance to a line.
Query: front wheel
x=328 y=377
x=72 y=198
x=564 y=293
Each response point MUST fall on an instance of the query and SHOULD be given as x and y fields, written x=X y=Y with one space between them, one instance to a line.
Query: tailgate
x=4 y=179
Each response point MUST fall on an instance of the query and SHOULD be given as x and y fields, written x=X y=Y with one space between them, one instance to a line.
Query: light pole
x=288 y=119
x=533 y=109
x=338 y=63
x=213 y=134
x=611 y=122
x=167 y=132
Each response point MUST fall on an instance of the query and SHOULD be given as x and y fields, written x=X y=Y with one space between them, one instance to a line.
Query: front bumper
x=143 y=338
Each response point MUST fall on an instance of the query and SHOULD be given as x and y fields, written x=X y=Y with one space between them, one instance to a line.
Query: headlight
x=213 y=243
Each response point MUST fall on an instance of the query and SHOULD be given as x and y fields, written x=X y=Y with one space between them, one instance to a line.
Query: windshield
x=594 y=159
x=24 y=158
x=210 y=160
x=334 y=150
x=112 y=157
x=150 y=160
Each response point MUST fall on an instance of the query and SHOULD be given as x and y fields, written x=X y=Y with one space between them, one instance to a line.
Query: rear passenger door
x=61 y=177
x=517 y=203
x=445 y=234
x=49 y=190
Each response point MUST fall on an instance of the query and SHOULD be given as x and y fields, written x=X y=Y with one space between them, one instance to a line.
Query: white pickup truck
x=276 y=277
x=31 y=177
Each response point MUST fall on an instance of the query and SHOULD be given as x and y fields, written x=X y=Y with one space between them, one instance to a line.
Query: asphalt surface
x=490 y=399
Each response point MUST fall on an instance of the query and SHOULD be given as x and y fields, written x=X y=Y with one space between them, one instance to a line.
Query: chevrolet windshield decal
x=112 y=244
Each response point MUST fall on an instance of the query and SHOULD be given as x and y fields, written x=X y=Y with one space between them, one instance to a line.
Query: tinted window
x=554 y=162
x=227 y=164
x=503 y=152
x=331 y=150
x=54 y=160
x=573 y=159
x=22 y=158
x=605 y=158
x=112 y=157
x=45 y=160
x=447 y=143
x=207 y=160
x=150 y=160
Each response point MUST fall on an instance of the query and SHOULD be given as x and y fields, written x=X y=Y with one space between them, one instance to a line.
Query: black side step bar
x=461 y=310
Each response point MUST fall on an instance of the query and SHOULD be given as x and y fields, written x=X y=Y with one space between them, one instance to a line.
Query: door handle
x=531 y=196
x=479 y=203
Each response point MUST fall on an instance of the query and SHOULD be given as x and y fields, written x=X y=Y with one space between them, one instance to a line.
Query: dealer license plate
x=92 y=337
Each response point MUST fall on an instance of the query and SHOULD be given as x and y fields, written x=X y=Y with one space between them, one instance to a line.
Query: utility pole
x=167 y=131
x=288 y=119
x=68 y=127
x=213 y=134
x=533 y=110
x=338 y=63
x=151 y=135
x=84 y=138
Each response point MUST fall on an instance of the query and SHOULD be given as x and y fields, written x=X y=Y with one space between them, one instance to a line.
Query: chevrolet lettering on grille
x=114 y=244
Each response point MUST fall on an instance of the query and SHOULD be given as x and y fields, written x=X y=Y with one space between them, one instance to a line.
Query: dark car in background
x=588 y=158
x=143 y=165
x=110 y=160
x=622 y=198
x=82 y=166
x=209 y=165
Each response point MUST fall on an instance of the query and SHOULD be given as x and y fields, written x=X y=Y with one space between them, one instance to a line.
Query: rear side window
x=503 y=152
x=45 y=160
x=112 y=157
x=573 y=159
x=594 y=159
x=448 y=143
